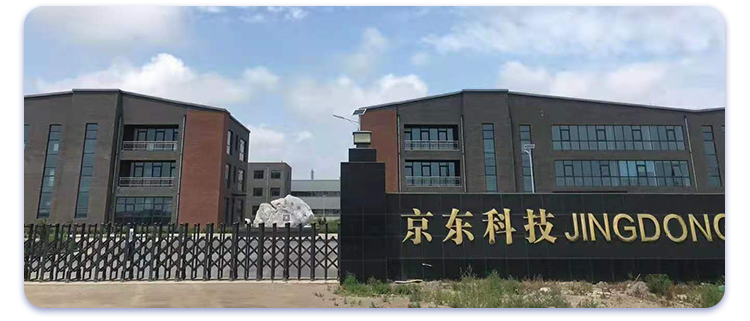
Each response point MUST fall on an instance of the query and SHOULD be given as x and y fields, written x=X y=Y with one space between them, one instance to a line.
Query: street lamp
x=527 y=148
x=348 y=119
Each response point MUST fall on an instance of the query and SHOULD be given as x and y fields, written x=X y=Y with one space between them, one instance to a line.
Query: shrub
x=659 y=284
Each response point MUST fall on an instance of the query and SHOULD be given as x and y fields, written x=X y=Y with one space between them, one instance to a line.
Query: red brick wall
x=382 y=124
x=202 y=165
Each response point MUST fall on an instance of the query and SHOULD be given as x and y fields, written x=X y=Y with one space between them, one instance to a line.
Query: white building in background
x=323 y=196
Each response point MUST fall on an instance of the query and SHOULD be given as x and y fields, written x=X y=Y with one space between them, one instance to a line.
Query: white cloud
x=211 y=9
x=168 y=76
x=304 y=135
x=420 y=58
x=366 y=57
x=266 y=144
x=118 y=26
x=587 y=31
x=257 y=15
x=678 y=84
x=318 y=101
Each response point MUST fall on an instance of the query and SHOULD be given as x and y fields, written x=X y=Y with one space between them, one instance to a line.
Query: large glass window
x=597 y=173
x=242 y=149
x=227 y=175
x=50 y=171
x=617 y=137
x=155 y=210
x=525 y=135
x=712 y=160
x=148 y=169
x=432 y=173
x=87 y=171
x=490 y=166
x=230 y=136
x=241 y=179
x=430 y=137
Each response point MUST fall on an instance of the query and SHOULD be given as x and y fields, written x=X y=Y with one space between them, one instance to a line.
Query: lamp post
x=527 y=148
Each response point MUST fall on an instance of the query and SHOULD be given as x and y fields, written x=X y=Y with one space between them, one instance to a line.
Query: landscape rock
x=280 y=211
x=544 y=290
x=638 y=289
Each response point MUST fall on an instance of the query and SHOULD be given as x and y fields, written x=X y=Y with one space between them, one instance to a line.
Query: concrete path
x=189 y=294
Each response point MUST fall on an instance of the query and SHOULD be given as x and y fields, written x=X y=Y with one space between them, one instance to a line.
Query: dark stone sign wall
x=681 y=235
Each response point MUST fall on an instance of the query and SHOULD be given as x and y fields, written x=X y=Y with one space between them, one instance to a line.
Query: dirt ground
x=265 y=295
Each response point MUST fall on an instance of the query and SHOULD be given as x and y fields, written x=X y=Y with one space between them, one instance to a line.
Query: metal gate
x=109 y=252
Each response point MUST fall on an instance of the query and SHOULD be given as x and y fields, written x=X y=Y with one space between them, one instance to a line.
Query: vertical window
x=87 y=171
x=712 y=161
x=50 y=167
x=525 y=133
x=227 y=172
x=227 y=211
x=490 y=167
x=242 y=149
x=241 y=179
x=229 y=142
x=25 y=135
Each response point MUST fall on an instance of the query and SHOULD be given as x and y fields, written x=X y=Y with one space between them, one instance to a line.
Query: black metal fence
x=112 y=252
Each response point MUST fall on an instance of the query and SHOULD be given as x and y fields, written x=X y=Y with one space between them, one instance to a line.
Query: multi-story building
x=322 y=195
x=267 y=182
x=97 y=156
x=480 y=141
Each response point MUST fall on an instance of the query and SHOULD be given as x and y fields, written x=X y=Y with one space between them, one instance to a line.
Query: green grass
x=660 y=284
x=468 y=292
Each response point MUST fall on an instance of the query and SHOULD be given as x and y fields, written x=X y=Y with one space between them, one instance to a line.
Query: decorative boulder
x=280 y=211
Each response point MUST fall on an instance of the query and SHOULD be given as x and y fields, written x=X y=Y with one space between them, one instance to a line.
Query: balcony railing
x=433 y=181
x=431 y=145
x=146 y=181
x=149 y=146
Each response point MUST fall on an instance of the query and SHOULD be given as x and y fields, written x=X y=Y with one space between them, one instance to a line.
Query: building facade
x=323 y=196
x=473 y=141
x=98 y=156
x=268 y=181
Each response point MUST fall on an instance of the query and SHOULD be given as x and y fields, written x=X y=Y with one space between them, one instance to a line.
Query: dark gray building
x=322 y=195
x=96 y=156
x=268 y=181
x=473 y=141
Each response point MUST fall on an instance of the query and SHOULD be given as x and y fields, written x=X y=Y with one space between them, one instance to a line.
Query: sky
x=285 y=71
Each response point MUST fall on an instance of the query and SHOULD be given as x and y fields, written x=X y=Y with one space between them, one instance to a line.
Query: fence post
x=313 y=246
x=209 y=251
x=81 y=252
x=247 y=253
x=273 y=252
x=233 y=270
x=131 y=249
x=53 y=270
x=43 y=248
x=261 y=250
x=194 y=260
x=97 y=254
x=299 y=254
x=69 y=250
x=183 y=245
x=327 y=261
x=29 y=254
x=286 y=251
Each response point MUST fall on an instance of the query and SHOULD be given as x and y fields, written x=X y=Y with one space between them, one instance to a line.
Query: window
x=229 y=142
x=50 y=167
x=148 y=169
x=490 y=167
x=598 y=173
x=142 y=210
x=87 y=170
x=316 y=193
x=430 y=137
x=275 y=174
x=617 y=137
x=241 y=179
x=712 y=160
x=432 y=173
x=227 y=175
x=275 y=191
x=258 y=174
x=257 y=191
x=227 y=211
x=25 y=135
x=239 y=210
x=152 y=133
x=242 y=149
x=525 y=135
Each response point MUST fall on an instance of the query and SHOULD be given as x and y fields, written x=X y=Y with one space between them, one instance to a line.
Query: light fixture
x=362 y=139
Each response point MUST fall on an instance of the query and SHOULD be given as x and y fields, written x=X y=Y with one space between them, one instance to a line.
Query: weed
x=588 y=304
x=660 y=284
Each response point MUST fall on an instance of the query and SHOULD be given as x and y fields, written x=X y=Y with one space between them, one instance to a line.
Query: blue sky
x=283 y=71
